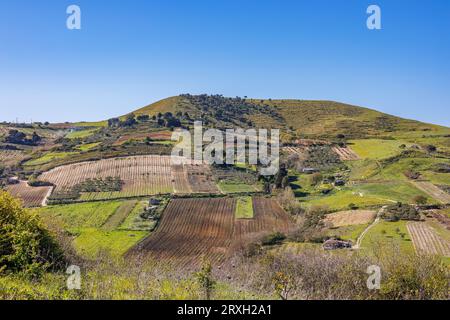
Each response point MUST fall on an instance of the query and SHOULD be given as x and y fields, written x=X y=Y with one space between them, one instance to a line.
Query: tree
x=26 y=246
x=143 y=117
x=283 y=284
x=316 y=178
x=285 y=182
x=205 y=279
x=419 y=199
x=430 y=148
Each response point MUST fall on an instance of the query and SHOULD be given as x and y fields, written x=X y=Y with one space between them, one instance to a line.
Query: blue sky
x=131 y=53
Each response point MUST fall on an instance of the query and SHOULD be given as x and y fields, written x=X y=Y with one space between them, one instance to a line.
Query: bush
x=273 y=238
x=419 y=199
x=26 y=246
x=400 y=211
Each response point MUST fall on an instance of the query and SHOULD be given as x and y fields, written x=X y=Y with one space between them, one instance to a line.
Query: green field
x=347 y=232
x=96 y=225
x=389 y=234
x=376 y=148
x=79 y=134
x=82 y=215
x=232 y=187
x=244 y=208
x=92 y=242
x=135 y=222
x=119 y=215
x=48 y=157
x=88 y=146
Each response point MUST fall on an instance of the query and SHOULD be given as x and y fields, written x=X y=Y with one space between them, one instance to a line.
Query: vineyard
x=426 y=240
x=295 y=150
x=345 y=153
x=11 y=157
x=194 y=228
x=31 y=196
x=140 y=176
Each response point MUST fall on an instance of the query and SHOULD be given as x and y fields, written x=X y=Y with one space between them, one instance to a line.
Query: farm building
x=309 y=170
x=332 y=244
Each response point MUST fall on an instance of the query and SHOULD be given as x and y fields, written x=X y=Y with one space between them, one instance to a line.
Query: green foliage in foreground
x=310 y=273
x=26 y=247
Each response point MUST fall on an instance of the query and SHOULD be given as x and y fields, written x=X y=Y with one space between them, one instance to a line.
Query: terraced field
x=345 y=153
x=11 y=157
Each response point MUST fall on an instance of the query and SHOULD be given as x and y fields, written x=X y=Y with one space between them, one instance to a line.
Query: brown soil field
x=191 y=229
x=426 y=240
x=11 y=157
x=350 y=217
x=295 y=150
x=31 y=196
x=345 y=153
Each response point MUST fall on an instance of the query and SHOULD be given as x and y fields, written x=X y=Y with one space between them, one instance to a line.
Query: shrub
x=273 y=238
x=419 y=199
x=400 y=211
x=26 y=246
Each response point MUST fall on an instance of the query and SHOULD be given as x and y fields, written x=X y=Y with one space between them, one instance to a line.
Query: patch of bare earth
x=350 y=217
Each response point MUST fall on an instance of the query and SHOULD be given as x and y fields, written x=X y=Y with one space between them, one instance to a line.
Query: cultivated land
x=31 y=196
x=117 y=195
x=427 y=241
x=194 y=228
x=141 y=176
x=352 y=217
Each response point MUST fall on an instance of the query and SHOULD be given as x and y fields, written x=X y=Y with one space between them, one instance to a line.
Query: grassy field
x=92 y=242
x=119 y=215
x=82 y=215
x=48 y=157
x=351 y=232
x=244 y=208
x=389 y=233
x=231 y=187
x=135 y=222
x=88 y=146
x=79 y=134
x=95 y=225
x=376 y=148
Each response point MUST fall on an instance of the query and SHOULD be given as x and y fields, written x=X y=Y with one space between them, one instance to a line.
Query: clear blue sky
x=131 y=53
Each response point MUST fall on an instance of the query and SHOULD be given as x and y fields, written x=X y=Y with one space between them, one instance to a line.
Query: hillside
x=306 y=118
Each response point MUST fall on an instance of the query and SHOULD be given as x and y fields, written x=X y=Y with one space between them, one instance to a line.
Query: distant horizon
x=227 y=96
x=127 y=55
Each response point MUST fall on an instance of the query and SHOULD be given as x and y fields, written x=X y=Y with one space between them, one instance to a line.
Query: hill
x=304 y=118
